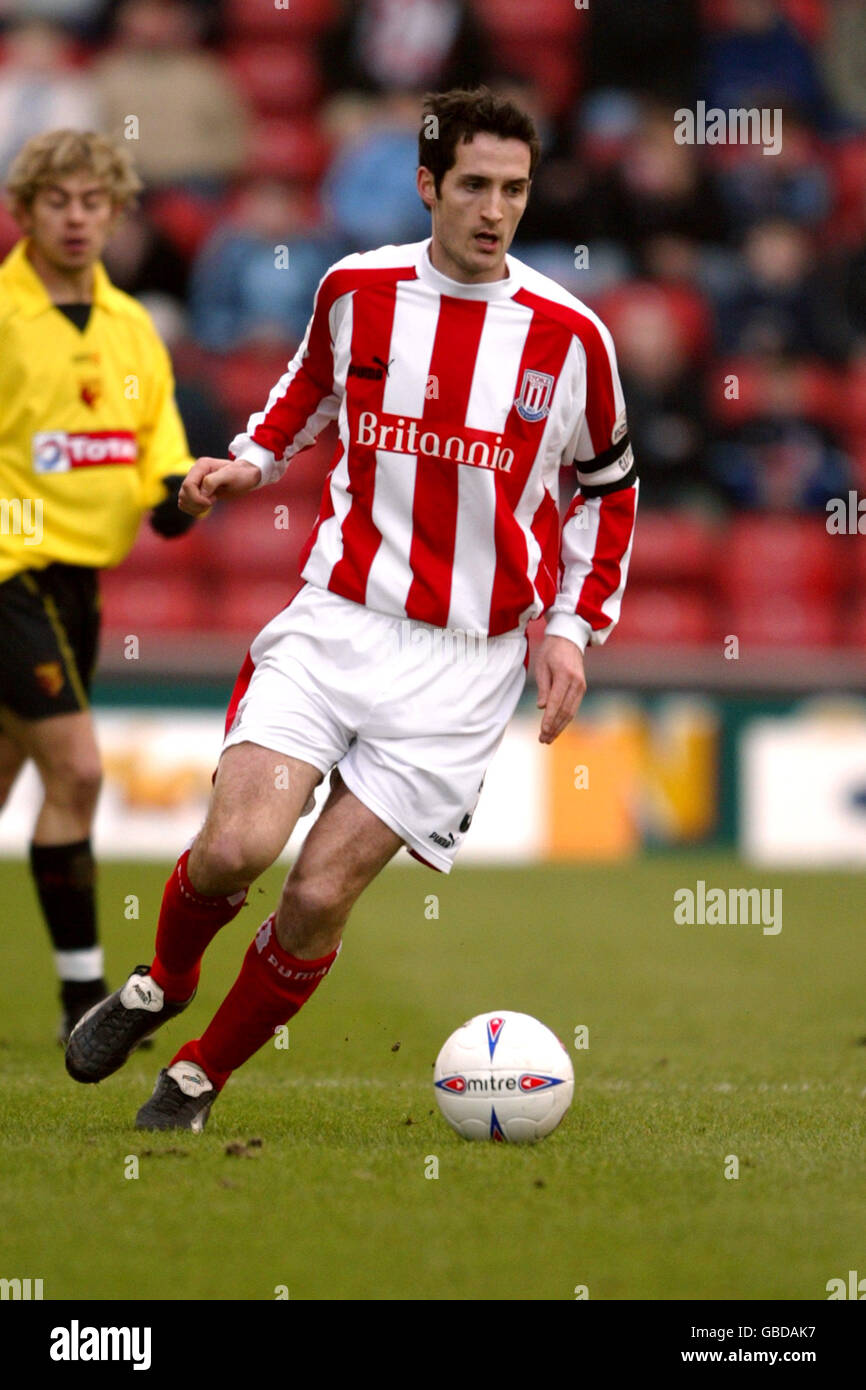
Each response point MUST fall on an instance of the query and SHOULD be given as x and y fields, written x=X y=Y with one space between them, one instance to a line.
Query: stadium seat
x=256 y=537
x=245 y=608
x=847 y=160
x=286 y=19
x=664 y=616
x=740 y=375
x=278 y=81
x=287 y=148
x=156 y=556
x=856 y=448
x=243 y=380
x=10 y=232
x=185 y=219
x=554 y=71
x=788 y=556
x=687 y=310
x=854 y=624
x=783 y=620
x=855 y=398
x=543 y=20
x=671 y=547
x=823 y=393
x=136 y=604
x=808 y=16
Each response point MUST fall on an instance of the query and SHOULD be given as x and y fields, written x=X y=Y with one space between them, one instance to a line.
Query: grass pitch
x=705 y=1043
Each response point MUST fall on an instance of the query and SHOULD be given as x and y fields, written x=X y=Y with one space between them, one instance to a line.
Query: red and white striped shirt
x=456 y=406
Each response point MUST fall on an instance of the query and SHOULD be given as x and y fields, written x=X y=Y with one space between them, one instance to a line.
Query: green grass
x=705 y=1041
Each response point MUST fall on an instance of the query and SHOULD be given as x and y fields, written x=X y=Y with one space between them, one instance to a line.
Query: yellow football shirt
x=88 y=423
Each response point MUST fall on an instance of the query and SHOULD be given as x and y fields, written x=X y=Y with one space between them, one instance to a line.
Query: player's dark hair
x=456 y=117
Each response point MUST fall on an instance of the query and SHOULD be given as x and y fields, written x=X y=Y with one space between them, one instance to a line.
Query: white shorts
x=410 y=714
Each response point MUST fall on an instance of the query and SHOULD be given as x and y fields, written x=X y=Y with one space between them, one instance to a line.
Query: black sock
x=65 y=878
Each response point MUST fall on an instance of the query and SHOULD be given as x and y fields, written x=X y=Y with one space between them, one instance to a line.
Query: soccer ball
x=503 y=1076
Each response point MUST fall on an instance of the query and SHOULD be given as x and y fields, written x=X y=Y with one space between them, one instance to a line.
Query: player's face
x=70 y=221
x=481 y=200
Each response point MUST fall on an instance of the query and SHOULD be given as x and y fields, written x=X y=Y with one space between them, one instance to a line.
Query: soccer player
x=90 y=439
x=461 y=381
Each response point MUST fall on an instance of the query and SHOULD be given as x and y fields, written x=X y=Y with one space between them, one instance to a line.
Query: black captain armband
x=607 y=472
x=167 y=519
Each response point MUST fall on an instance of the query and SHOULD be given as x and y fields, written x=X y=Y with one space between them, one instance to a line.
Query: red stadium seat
x=809 y=389
x=855 y=398
x=673 y=548
x=783 y=620
x=782 y=556
x=154 y=555
x=555 y=72
x=135 y=605
x=10 y=232
x=288 y=19
x=823 y=393
x=185 y=219
x=808 y=16
x=740 y=375
x=687 y=311
x=244 y=380
x=261 y=535
x=542 y=20
x=667 y=615
x=855 y=624
x=245 y=608
x=277 y=80
x=287 y=148
x=847 y=161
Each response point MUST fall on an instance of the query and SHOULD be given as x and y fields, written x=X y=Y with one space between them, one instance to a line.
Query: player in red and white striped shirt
x=461 y=381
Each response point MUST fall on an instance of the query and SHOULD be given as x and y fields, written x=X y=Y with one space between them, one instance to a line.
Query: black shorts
x=49 y=639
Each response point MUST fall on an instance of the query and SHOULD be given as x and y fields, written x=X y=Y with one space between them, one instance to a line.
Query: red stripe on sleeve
x=615 y=526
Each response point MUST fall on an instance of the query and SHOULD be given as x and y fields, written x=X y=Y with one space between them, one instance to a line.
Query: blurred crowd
x=734 y=280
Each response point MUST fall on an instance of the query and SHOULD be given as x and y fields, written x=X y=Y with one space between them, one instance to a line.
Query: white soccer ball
x=503 y=1076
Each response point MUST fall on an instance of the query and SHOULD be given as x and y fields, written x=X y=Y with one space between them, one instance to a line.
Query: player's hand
x=561 y=685
x=210 y=480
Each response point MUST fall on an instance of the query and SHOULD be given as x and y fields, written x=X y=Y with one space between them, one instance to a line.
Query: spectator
x=141 y=260
x=794 y=183
x=663 y=385
x=779 y=459
x=369 y=189
x=242 y=288
x=760 y=60
x=192 y=124
x=651 y=49
x=78 y=16
x=661 y=188
x=382 y=46
x=40 y=89
x=844 y=59
x=780 y=305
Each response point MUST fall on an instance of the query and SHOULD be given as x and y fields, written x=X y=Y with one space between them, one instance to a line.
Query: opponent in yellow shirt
x=90 y=439
x=88 y=424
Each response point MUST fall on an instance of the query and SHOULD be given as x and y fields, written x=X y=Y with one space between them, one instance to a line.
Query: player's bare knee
x=224 y=863
x=315 y=898
x=73 y=783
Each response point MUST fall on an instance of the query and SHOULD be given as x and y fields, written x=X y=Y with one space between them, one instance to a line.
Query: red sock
x=188 y=922
x=269 y=990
